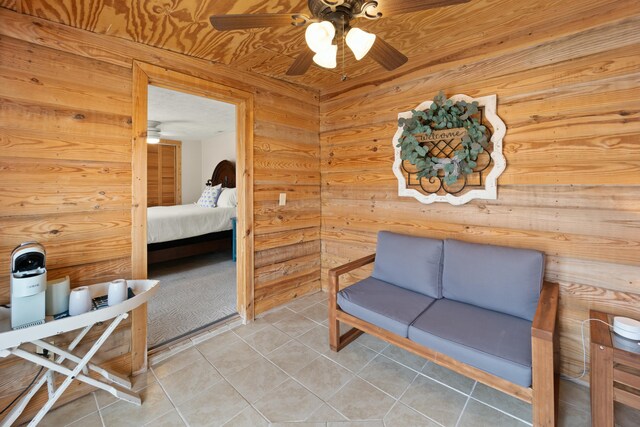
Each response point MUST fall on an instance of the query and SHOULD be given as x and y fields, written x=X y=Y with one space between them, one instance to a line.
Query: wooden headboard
x=225 y=174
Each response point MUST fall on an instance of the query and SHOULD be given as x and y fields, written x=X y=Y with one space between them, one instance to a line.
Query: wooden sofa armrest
x=336 y=341
x=345 y=268
x=544 y=321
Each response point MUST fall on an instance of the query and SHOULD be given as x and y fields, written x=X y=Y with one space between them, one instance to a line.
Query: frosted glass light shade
x=319 y=35
x=360 y=42
x=327 y=57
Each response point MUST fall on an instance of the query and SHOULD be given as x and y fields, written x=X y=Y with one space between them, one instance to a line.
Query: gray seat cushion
x=383 y=304
x=494 y=342
x=413 y=263
x=499 y=278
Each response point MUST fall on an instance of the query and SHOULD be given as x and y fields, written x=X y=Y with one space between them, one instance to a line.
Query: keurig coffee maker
x=28 y=285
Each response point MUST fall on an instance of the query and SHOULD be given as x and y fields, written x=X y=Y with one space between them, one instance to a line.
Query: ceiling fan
x=329 y=22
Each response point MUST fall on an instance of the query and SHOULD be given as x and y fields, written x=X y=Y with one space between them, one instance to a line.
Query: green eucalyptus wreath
x=443 y=114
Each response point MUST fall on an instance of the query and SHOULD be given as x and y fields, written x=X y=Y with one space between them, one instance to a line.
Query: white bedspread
x=166 y=223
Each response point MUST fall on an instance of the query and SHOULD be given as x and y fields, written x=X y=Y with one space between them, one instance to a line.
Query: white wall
x=220 y=147
x=192 y=182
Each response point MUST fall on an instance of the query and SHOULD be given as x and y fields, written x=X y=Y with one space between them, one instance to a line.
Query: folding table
x=11 y=340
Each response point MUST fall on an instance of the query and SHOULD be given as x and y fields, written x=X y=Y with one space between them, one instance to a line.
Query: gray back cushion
x=507 y=280
x=413 y=263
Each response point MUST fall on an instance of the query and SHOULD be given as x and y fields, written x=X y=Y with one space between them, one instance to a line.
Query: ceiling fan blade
x=386 y=55
x=392 y=7
x=302 y=63
x=247 y=20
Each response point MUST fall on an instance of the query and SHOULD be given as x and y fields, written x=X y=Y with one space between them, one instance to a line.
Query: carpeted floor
x=194 y=292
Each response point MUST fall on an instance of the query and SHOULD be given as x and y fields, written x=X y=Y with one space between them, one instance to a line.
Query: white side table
x=11 y=340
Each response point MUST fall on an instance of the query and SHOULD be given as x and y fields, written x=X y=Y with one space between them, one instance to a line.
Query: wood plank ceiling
x=183 y=26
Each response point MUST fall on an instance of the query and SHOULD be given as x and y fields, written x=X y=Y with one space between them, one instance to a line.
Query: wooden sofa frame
x=542 y=395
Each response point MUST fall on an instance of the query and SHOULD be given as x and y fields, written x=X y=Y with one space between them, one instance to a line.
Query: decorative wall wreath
x=441 y=115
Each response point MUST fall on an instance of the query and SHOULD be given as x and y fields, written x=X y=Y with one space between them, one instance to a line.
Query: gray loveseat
x=478 y=309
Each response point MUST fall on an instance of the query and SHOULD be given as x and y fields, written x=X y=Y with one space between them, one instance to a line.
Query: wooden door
x=164 y=170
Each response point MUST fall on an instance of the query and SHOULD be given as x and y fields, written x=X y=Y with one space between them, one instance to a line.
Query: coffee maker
x=28 y=285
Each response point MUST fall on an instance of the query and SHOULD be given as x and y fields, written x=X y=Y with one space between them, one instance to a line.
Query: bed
x=181 y=231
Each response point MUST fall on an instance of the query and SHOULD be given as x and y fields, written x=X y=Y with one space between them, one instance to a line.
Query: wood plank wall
x=567 y=76
x=65 y=164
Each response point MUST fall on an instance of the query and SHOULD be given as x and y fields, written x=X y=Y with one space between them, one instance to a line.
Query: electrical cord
x=23 y=391
x=584 y=348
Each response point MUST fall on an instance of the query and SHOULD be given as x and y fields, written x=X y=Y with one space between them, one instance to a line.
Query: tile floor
x=279 y=371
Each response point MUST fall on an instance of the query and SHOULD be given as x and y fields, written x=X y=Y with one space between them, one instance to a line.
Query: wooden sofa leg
x=545 y=393
x=334 y=331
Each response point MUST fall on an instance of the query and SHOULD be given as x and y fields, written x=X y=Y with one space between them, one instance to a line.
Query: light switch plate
x=283 y=199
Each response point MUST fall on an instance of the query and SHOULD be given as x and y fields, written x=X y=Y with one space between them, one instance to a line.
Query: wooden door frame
x=144 y=75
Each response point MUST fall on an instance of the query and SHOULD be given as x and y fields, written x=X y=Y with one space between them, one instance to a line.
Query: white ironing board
x=10 y=341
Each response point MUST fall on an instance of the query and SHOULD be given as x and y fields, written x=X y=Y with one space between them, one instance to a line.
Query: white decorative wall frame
x=409 y=186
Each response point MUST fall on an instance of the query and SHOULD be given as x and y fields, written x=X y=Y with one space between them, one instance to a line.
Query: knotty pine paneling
x=65 y=165
x=569 y=97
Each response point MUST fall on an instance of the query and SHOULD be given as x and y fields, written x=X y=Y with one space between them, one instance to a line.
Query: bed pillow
x=228 y=198
x=209 y=196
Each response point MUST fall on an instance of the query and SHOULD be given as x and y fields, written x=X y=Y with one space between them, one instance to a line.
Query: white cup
x=79 y=301
x=117 y=292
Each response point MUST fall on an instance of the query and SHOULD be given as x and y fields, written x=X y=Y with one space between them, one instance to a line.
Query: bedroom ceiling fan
x=330 y=21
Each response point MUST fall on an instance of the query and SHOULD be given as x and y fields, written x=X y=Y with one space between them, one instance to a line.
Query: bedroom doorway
x=191 y=210
x=168 y=105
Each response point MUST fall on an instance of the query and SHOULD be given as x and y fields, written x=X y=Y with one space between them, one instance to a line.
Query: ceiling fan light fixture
x=360 y=42
x=153 y=132
x=319 y=35
x=327 y=57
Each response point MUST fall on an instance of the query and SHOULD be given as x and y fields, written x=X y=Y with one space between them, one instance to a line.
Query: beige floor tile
x=170 y=419
x=257 y=379
x=317 y=338
x=403 y=416
x=292 y=356
x=301 y=304
x=374 y=423
x=249 y=417
x=448 y=377
x=502 y=401
x=434 y=400
x=214 y=406
x=387 y=375
x=176 y=362
x=218 y=343
x=268 y=339
x=71 y=412
x=323 y=377
x=92 y=420
x=570 y=416
x=318 y=312
x=303 y=424
x=277 y=314
x=154 y=403
x=575 y=394
x=359 y=400
x=250 y=328
x=353 y=357
x=143 y=380
x=190 y=380
x=288 y=403
x=405 y=358
x=233 y=358
x=105 y=398
x=138 y=382
x=375 y=344
x=477 y=414
x=325 y=414
x=295 y=325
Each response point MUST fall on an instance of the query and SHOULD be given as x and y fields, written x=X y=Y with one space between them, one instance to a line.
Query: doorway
x=190 y=138
x=146 y=75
